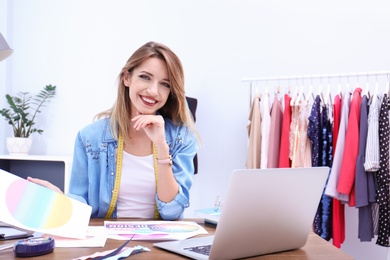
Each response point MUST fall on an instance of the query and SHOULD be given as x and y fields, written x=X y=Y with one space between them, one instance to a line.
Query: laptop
x=265 y=211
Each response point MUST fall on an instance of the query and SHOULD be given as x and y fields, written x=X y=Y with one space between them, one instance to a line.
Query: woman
x=137 y=159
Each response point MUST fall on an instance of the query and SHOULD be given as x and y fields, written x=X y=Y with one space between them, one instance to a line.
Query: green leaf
x=23 y=109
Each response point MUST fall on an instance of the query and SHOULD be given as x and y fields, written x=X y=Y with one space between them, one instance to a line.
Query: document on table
x=96 y=237
x=152 y=230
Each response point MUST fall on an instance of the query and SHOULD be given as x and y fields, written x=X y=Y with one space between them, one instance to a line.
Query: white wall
x=80 y=46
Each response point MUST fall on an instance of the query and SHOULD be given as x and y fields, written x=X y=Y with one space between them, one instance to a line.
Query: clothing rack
x=320 y=76
x=316 y=76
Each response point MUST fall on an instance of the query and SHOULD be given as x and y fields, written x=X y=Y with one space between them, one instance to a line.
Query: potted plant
x=22 y=114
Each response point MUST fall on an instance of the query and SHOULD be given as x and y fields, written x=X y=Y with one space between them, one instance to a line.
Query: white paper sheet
x=96 y=237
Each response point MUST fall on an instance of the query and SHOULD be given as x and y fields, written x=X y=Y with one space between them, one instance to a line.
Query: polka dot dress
x=383 y=176
x=313 y=133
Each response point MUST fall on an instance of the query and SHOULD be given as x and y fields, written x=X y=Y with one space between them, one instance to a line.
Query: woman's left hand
x=44 y=184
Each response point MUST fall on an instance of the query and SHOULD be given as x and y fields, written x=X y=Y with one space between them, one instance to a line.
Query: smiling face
x=149 y=86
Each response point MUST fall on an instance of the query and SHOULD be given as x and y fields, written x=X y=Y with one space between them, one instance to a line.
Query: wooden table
x=315 y=248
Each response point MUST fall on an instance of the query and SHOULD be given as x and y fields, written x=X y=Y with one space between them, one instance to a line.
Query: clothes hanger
x=366 y=90
x=326 y=98
x=277 y=90
x=288 y=89
x=320 y=91
x=339 y=88
x=329 y=102
x=375 y=96
x=328 y=95
x=310 y=93
x=320 y=88
x=358 y=84
x=257 y=94
x=300 y=94
x=294 y=96
x=266 y=88
x=349 y=88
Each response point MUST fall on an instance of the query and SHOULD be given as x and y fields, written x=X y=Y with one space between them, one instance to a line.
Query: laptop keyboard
x=204 y=250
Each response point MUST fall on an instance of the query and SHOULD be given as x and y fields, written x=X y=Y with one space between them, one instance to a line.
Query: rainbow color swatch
x=54 y=210
x=36 y=208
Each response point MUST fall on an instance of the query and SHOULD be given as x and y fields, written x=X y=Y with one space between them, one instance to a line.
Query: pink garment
x=275 y=133
x=284 y=159
x=338 y=211
x=348 y=167
x=301 y=143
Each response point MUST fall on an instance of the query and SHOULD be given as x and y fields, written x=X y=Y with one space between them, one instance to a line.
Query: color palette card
x=152 y=230
x=30 y=206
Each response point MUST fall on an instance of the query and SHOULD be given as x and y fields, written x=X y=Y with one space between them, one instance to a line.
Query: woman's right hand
x=45 y=184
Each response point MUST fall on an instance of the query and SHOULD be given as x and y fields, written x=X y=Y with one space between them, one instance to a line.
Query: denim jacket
x=94 y=168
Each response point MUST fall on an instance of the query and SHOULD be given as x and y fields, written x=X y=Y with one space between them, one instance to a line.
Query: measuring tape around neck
x=156 y=213
x=118 y=172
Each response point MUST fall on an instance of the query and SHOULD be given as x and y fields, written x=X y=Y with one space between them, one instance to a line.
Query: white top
x=137 y=190
x=265 y=131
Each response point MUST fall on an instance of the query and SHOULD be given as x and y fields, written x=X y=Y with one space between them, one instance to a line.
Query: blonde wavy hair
x=175 y=108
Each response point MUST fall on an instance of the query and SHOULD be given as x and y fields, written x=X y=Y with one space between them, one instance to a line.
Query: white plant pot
x=19 y=145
